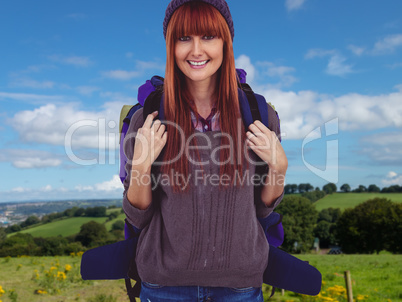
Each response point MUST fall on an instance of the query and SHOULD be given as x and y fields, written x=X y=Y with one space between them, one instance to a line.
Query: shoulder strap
x=153 y=103
x=255 y=113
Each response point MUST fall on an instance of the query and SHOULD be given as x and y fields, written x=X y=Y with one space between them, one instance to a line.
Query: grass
x=69 y=226
x=350 y=200
x=375 y=278
x=64 y=227
x=19 y=274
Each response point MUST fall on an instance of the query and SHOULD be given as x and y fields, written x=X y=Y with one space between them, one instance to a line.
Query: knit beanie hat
x=220 y=5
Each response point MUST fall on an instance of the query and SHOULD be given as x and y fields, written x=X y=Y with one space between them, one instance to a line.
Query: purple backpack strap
x=242 y=75
x=123 y=158
x=273 y=229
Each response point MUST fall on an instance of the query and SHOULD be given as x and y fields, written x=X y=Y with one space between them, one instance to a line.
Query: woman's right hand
x=149 y=142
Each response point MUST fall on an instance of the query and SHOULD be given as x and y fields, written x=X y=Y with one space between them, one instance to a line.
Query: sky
x=332 y=69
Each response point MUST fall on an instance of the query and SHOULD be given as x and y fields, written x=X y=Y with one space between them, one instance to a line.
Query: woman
x=191 y=190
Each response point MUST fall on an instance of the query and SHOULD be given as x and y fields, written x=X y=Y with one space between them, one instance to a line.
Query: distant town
x=16 y=212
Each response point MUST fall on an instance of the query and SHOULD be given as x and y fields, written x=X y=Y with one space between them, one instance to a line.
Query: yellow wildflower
x=61 y=276
x=68 y=267
x=53 y=268
x=1 y=290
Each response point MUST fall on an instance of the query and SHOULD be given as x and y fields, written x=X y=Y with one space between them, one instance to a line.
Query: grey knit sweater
x=206 y=237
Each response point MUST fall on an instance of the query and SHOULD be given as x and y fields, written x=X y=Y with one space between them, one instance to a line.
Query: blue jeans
x=157 y=293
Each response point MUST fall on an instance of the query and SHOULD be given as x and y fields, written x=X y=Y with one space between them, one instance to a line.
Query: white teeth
x=198 y=63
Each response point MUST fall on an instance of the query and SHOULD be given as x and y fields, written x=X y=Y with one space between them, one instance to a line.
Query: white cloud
x=123 y=75
x=336 y=65
x=35 y=162
x=141 y=67
x=383 y=148
x=244 y=62
x=358 y=51
x=112 y=185
x=57 y=124
x=392 y=178
x=388 y=44
x=30 y=159
x=46 y=188
x=19 y=190
x=87 y=90
x=71 y=60
x=31 y=98
x=30 y=83
x=318 y=52
x=294 y=4
x=281 y=72
x=302 y=111
x=391 y=174
x=110 y=189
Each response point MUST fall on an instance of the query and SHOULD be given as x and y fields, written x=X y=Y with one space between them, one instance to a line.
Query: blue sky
x=332 y=69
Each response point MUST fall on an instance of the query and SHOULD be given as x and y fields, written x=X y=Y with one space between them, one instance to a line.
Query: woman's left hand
x=267 y=146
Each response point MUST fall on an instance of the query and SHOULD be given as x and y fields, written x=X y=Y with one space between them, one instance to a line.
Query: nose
x=197 y=49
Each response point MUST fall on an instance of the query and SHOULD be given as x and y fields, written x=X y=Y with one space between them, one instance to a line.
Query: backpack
x=117 y=261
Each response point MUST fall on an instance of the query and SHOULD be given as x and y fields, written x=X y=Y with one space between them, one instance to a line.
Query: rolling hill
x=350 y=200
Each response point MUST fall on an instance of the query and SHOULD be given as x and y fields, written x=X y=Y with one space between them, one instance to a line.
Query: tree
x=51 y=246
x=113 y=215
x=329 y=188
x=91 y=234
x=3 y=234
x=314 y=195
x=345 y=188
x=309 y=187
x=360 y=189
x=326 y=232
x=288 y=189
x=326 y=226
x=31 y=220
x=17 y=245
x=13 y=228
x=392 y=189
x=301 y=188
x=294 y=188
x=373 y=189
x=370 y=227
x=79 y=212
x=118 y=225
x=95 y=212
x=299 y=218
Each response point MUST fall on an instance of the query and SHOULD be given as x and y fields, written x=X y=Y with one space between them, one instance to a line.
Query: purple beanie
x=220 y=5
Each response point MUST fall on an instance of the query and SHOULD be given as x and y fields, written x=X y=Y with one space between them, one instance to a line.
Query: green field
x=374 y=278
x=350 y=200
x=69 y=226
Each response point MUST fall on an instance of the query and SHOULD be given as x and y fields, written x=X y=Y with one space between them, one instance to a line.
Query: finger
x=164 y=137
x=250 y=143
x=149 y=119
x=258 y=126
x=162 y=128
x=252 y=137
x=155 y=125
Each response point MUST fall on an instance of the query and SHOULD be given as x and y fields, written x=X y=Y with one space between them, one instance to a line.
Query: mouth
x=198 y=63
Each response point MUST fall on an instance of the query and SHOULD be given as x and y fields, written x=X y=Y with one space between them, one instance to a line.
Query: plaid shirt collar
x=211 y=123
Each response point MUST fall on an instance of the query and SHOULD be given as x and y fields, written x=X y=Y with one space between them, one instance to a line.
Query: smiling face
x=199 y=57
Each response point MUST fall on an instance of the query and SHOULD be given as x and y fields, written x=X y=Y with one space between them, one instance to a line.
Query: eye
x=185 y=38
x=208 y=37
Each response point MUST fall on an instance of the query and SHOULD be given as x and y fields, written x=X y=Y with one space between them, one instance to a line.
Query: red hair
x=199 y=18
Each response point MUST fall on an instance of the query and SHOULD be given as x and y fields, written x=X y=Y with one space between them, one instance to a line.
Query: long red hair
x=199 y=18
